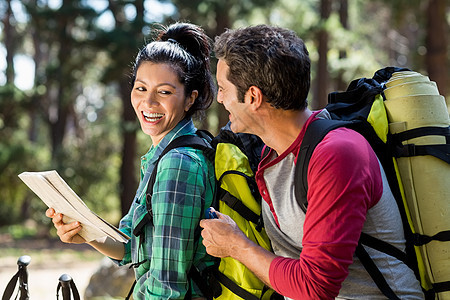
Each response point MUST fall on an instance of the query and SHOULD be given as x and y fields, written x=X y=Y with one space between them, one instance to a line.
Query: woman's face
x=159 y=100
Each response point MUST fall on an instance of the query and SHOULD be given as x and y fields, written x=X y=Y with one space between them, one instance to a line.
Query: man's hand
x=222 y=237
x=68 y=233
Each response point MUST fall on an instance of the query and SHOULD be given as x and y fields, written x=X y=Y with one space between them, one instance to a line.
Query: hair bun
x=191 y=37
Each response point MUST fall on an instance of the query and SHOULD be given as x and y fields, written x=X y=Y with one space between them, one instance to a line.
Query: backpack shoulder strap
x=192 y=141
x=314 y=134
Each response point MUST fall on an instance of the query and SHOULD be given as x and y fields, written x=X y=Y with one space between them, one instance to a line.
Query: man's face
x=240 y=116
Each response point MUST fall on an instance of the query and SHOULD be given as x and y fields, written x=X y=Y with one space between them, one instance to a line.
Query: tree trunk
x=128 y=174
x=128 y=182
x=436 y=43
x=8 y=31
x=222 y=22
x=61 y=99
x=321 y=94
x=343 y=17
x=36 y=98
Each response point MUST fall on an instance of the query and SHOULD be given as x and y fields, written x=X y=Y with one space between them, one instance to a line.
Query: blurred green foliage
x=71 y=118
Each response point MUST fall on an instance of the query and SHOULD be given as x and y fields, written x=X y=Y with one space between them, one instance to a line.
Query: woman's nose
x=151 y=100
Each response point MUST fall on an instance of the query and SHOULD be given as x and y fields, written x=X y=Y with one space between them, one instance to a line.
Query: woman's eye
x=164 y=92
x=140 y=88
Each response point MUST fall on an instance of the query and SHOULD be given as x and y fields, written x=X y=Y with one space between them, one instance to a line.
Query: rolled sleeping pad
x=412 y=101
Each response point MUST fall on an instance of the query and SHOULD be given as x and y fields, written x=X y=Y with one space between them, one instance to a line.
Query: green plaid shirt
x=184 y=187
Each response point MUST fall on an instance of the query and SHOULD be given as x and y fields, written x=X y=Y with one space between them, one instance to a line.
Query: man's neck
x=282 y=127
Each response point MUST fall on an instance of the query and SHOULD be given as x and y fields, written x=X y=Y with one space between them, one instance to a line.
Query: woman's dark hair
x=187 y=49
x=273 y=59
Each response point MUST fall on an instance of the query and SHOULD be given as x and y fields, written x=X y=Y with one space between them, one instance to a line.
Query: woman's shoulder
x=181 y=153
x=184 y=157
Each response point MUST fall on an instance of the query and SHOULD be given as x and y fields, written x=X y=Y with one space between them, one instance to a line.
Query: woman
x=171 y=81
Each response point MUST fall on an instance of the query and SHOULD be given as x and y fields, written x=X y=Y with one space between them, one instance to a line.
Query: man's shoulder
x=344 y=141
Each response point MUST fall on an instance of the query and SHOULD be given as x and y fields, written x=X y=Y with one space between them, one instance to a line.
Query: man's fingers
x=205 y=222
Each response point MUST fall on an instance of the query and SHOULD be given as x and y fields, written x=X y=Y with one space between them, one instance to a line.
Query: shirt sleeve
x=177 y=202
x=344 y=181
x=125 y=227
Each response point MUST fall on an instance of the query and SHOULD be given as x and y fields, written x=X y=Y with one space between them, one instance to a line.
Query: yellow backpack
x=239 y=200
x=236 y=157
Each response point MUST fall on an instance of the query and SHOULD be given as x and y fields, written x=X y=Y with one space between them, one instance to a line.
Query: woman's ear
x=190 y=100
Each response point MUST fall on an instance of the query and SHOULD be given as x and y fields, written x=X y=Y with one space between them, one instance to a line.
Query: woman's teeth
x=152 y=117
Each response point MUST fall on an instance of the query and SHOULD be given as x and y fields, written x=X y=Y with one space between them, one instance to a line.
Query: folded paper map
x=57 y=194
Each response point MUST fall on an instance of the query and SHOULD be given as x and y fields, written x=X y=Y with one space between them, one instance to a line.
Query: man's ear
x=255 y=96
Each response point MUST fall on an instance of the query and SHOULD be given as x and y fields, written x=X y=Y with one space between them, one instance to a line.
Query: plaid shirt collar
x=184 y=127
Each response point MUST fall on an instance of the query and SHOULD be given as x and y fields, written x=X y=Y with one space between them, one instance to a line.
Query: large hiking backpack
x=235 y=158
x=407 y=125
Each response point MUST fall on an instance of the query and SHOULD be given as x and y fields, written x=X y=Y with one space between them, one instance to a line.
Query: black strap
x=68 y=288
x=384 y=247
x=192 y=141
x=374 y=272
x=147 y=219
x=232 y=286
x=22 y=277
x=315 y=132
x=421 y=239
x=440 y=287
x=237 y=205
x=11 y=286
x=421 y=131
x=252 y=185
x=441 y=151
x=130 y=292
x=200 y=281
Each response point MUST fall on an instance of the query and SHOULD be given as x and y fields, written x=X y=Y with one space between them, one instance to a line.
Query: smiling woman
x=171 y=83
x=159 y=101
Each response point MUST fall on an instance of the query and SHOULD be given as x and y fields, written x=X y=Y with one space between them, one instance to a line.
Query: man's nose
x=219 y=99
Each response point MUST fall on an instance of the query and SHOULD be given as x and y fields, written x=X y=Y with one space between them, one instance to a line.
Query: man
x=263 y=75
